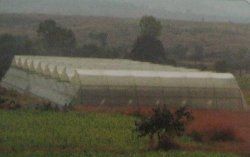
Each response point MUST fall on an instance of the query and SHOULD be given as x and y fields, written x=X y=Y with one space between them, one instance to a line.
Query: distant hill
x=209 y=10
x=216 y=37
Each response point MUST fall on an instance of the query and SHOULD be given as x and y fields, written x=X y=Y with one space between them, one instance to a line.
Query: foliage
x=216 y=134
x=221 y=66
x=150 y=26
x=2 y=100
x=178 y=51
x=48 y=106
x=242 y=58
x=101 y=37
x=148 y=49
x=164 y=123
x=223 y=134
x=92 y=50
x=244 y=82
x=198 y=53
x=220 y=125
x=34 y=133
x=55 y=37
x=7 y=50
x=196 y=136
x=214 y=36
x=238 y=61
x=56 y=130
x=9 y=105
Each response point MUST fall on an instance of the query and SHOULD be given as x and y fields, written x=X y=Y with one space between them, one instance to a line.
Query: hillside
x=216 y=37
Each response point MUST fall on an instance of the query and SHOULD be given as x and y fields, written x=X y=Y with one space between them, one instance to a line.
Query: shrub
x=223 y=134
x=167 y=143
x=221 y=66
x=48 y=106
x=7 y=48
x=218 y=125
x=2 y=100
x=196 y=136
x=164 y=124
x=215 y=134
x=9 y=105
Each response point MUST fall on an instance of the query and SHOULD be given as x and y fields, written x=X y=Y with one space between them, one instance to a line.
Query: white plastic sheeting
x=121 y=82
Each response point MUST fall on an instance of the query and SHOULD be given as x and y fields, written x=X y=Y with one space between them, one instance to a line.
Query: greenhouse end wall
x=116 y=83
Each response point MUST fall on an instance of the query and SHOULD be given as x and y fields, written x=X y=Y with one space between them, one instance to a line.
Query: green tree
x=150 y=26
x=55 y=37
x=147 y=46
x=221 y=66
x=164 y=124
x=198 y=52
x=7 y=50
x=93 y=50
x=148 y=49
x=242 y=60
x=198 y=55
x=101 y=37
x=179 y=51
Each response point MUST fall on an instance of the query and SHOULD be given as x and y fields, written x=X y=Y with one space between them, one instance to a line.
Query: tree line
x=55 y=40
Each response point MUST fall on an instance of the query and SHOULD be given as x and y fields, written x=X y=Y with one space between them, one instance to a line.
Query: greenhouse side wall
x=58 y=92
x=129 y=96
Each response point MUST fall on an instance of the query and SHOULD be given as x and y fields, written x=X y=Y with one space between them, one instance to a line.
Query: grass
x=105 y=154
x=35 y=133
x=244 y=83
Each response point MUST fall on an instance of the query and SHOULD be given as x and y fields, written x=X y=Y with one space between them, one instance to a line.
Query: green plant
x=2 y=100
x=221 y=66
x=165 y=124
x=196 y=136
x=223 y=134
x=215 y=134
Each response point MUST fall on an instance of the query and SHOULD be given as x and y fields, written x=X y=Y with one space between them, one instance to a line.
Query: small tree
x=165 y=124
x=179 y=51
x=221 y=66
x=101 y=37
x=242 y=60
x=198 y=54
x=147 y=47
x=7 y=51
x=55 y=37
x=150 y=26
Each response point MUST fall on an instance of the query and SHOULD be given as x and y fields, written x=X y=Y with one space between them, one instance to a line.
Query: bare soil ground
x=204 y=120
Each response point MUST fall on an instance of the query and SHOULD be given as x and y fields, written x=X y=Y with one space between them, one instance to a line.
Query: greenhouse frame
x=121 y=82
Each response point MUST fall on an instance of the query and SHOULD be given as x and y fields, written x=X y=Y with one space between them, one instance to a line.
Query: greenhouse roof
x=122 y=72
x=96 y=63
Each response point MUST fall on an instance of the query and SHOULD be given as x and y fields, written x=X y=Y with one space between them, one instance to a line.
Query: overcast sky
x=219 y=10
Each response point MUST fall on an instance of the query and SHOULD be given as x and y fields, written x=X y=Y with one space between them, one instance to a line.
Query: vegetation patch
x=215 y=134
x=47 y=133
x=164 y=125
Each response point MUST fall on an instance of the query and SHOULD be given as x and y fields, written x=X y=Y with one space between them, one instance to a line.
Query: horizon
x=189 y=10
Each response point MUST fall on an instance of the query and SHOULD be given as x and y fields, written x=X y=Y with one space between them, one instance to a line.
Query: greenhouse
x=120 y=82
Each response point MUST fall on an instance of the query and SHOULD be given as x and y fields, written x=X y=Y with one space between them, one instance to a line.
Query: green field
x=36 y=133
